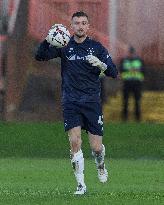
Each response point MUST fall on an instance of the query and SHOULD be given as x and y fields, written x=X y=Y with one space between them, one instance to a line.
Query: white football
x=58 y=36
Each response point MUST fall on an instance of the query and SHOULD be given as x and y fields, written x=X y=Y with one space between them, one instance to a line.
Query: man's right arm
x=120 y=67
x=46 y=52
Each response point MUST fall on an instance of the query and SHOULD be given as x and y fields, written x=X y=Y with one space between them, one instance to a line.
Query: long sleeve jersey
x=80 y=80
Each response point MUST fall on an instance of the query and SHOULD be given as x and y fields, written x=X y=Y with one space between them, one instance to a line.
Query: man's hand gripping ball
x=58 y=36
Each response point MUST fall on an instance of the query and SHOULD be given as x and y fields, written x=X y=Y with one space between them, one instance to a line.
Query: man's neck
x=79 y=40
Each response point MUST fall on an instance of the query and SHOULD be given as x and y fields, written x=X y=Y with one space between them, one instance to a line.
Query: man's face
x=80 y=25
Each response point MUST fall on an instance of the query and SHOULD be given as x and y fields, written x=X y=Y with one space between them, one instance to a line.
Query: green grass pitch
x=35 y=168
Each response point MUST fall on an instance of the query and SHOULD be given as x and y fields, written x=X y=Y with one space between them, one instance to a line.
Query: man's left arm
x=104 y=62
x=143 y=67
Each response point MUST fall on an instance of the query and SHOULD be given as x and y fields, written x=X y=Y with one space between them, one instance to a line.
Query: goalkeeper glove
x=94 y=61
x=52 y=27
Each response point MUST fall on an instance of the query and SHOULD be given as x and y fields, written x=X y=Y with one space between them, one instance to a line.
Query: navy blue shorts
x=88 y=115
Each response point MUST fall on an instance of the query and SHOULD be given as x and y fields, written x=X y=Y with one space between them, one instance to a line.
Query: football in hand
x=58 y=36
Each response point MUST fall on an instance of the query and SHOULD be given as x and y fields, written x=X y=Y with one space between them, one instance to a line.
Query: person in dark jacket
x=82 y=61
x=132 y=74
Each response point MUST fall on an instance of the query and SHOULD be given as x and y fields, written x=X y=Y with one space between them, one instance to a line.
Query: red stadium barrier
x=43 y=14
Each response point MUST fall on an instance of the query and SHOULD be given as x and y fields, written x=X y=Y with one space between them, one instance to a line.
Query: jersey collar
x=73 y=41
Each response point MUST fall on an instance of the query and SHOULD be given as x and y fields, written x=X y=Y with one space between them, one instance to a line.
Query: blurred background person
x=132 y=74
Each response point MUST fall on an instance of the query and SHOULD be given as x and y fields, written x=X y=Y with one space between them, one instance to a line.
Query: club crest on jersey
x=90 y=51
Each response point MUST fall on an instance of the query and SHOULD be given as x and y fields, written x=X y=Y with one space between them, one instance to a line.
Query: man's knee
x=97 y=147
x=95 y=142
x=75 y=141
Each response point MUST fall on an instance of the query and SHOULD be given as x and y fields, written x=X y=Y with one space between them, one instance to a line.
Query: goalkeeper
x=82 y=61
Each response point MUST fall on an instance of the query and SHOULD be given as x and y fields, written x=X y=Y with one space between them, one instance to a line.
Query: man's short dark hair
x=79 y=14
x=132 y=50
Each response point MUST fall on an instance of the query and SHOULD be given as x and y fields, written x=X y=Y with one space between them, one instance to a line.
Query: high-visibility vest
x=132 y=70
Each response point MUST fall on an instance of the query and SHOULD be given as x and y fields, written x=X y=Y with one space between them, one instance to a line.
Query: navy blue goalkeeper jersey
x=80 y=80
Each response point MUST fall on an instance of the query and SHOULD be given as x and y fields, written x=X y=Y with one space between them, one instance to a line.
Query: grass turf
x=35 y=169
x=129 y=140
x=51 y=181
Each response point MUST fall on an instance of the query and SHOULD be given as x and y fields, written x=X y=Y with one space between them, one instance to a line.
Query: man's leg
x=125 y=99
x=77 y=159
x=137 y=97
x=98 y=152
